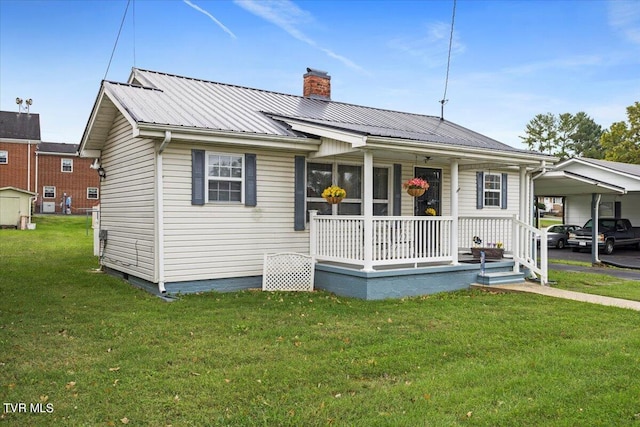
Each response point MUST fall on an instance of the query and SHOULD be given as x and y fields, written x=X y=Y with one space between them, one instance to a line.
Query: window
x=67 y=165
x=349 y=177
x=4 y=157
x=92 y=193
x=492 y=190
x=224 y=177
x=49 y=192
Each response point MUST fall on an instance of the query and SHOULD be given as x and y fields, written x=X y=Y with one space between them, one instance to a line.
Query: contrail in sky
x=220 y=24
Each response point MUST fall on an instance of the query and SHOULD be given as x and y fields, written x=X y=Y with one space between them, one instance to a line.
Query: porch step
x=500 y=278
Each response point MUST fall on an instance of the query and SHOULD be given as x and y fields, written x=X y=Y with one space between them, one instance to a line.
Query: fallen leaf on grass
x=70 y=385
x=117 y=368
x=124 y=420
x=469 y=414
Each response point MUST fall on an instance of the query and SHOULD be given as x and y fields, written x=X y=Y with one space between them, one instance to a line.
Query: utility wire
x=446 y=80
x=117 y=38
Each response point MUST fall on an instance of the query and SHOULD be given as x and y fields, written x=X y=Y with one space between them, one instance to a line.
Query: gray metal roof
x=14 y=125
x=163 y=99
x=626 y=168
x=57 y=148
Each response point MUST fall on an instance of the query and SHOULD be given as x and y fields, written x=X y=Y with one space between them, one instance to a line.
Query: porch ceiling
x=564 y=183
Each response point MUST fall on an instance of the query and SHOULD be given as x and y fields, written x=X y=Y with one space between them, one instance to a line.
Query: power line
x=117 y=38
x=446 y=80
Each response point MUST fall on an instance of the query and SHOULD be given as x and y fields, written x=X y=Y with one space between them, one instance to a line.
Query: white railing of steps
x=395 y=239
x=398 y=240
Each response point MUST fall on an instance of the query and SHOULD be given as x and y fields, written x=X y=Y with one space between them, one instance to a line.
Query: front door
x=431 y=198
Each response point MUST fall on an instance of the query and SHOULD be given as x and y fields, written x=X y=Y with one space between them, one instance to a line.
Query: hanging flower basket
x=334 y=194
x=333 y=200
x=416 y=187
x=416 y=192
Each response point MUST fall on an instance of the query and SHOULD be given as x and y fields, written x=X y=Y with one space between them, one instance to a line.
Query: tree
x=622 y=141
x=541 y=133
x=564 y=136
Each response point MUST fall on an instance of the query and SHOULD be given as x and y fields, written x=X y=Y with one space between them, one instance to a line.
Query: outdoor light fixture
x=102 y=173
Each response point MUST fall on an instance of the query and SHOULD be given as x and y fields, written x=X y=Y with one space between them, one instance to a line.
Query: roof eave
x=449 y=150
x=192 y=134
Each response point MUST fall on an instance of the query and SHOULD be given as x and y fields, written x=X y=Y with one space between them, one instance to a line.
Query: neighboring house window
x=224 y=177
x=349 y=177
x=67 y=165
x=49 y=192
x=92 y=193
x=4 y=157
x=491 y=190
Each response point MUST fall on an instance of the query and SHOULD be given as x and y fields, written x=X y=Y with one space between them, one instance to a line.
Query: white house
x=201 y=179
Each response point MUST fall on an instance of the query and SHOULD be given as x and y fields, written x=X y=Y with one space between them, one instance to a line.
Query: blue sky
x=510 y=60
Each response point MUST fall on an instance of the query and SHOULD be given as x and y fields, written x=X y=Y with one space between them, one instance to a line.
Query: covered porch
x=402 y=254
x=418 y=255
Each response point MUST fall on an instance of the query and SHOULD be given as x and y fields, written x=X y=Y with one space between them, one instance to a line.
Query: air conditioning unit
x=48 y=207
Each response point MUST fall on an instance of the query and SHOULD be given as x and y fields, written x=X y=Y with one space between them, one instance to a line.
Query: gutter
x=160 y=212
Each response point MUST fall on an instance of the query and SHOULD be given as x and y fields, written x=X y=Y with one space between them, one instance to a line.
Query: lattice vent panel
x=287 y=272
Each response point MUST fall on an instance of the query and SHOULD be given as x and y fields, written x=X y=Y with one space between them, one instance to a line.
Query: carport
x=580 y=178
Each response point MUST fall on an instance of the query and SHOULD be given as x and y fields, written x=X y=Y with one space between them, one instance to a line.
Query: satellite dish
x=19 y=101
x=29 y=101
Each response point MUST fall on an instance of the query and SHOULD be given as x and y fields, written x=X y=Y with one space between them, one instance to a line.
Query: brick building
x=54 y=171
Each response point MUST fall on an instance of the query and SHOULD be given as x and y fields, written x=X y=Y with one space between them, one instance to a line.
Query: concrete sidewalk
x=559 y=293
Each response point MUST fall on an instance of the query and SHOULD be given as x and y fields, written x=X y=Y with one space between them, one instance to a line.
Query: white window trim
x=498 y=191
x=62 y=165
x=97 y=193
x=44 y=192
x=226 y=179
x=334 y=181
x=4 y=154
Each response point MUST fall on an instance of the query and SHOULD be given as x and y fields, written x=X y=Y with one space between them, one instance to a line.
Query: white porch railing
x=397 y=240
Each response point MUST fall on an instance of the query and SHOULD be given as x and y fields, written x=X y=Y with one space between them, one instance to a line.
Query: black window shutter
x=197 y=177
x=250 y=180
x=299 y=216
x=397 y=189
x=504 y=191
x=479 y=190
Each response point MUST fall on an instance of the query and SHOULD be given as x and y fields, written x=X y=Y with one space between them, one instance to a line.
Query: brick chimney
x=317 y=84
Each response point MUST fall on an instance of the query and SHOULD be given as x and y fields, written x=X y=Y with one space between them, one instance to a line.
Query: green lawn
x=100 y=352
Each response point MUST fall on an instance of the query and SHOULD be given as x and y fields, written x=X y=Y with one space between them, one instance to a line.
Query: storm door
x=432 y=197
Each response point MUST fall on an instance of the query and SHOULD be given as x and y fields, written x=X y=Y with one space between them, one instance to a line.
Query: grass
x=101 y=352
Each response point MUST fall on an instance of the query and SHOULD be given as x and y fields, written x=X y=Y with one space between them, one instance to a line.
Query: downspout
x=29 y=167
x=160 y=212
x=36 y=186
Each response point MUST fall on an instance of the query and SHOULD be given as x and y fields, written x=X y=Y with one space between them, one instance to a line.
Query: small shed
x=14 y=204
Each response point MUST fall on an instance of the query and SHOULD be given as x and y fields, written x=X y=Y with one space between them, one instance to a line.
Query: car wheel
x=560 y=244
x=608 y=247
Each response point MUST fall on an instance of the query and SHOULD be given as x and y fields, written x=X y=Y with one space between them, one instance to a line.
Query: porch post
x=313 y=237
x=524 y=205
x=454 y=211
x=368 y=210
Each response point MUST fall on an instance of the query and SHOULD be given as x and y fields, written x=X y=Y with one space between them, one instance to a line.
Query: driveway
x=627 y=259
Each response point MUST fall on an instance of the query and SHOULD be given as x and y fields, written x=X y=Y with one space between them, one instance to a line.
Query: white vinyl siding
x=127 y=211
x=221 y=240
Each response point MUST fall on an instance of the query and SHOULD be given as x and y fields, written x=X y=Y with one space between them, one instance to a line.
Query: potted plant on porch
x=416 y=187
x=491 y=250
x=334 y=194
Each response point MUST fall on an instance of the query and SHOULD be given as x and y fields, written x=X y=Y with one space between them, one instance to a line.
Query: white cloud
x=433 y=47
x=220 y=24
x=624 y=17
x=289 y=17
